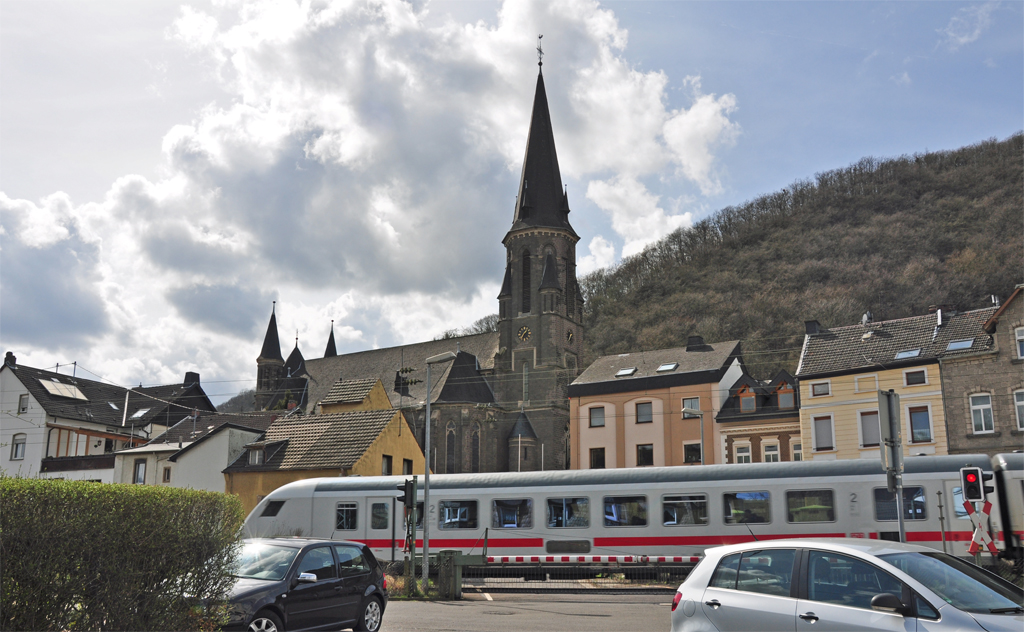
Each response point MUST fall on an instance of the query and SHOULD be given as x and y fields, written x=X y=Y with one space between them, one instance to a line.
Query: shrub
x=92 y=556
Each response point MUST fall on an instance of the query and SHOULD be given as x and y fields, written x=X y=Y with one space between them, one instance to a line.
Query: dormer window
x=747 y=403
x=626 y=372
x=256 y=456
x=786 y=396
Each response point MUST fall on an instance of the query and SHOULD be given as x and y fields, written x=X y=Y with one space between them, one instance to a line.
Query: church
x=501 y=404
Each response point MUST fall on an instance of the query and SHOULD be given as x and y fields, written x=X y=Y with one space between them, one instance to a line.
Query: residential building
x=65 y=426
x=983 y=383
x=760 y=421
x=522 y=368
x=627 y=409
x=842 y=369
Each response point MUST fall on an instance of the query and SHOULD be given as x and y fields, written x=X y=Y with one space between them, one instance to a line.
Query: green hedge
x=92 y=556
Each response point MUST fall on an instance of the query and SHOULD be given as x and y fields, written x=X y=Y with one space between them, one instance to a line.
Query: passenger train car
x=675 y=511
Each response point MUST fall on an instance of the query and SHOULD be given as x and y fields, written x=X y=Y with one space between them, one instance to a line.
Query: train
x=654 y=511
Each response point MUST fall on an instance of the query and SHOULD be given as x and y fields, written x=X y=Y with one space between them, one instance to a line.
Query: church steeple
x=270 y=363
x=331 y=349
x=271 y=343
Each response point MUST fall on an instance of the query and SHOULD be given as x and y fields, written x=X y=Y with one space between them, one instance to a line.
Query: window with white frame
x=916 y=377
x=23 y=403
x=981 y=413
x=797 y=449
x=256 y=456
x=693 y=403
x=920 y=418
x=597 y=417
x=742 y=453
x=139 y=474
x=865 y=383
x=18 y=446
x=870 y=433
x=1019 y=335
x=769 y=453
x=821 y=389
x=1018 y=400
x=645 y=413
x=823 y=435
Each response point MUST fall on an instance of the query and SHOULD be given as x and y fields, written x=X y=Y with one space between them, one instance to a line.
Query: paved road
x=561 y=613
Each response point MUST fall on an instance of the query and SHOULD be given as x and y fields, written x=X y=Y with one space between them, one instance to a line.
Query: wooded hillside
x=891 y=236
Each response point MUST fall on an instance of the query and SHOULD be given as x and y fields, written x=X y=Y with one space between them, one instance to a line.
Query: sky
x=169 y=169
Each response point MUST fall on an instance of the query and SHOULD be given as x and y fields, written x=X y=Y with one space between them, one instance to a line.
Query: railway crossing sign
x=981 y=536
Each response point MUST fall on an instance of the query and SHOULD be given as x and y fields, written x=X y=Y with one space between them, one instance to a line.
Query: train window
x=691 y=509
x=913 y=504
x=958 y=504
x=744 y=507
x=379 y=516
x=512 y=514
x=457 y=514
x=347 y=514
x=811 y=505
x=566 y=513
x=274 y=506
x=625 y=511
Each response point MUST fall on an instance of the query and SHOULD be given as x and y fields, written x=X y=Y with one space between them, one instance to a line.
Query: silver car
x=842 y=584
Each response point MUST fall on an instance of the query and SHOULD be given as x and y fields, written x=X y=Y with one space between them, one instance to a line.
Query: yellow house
x=842 y=369
x=357 y=442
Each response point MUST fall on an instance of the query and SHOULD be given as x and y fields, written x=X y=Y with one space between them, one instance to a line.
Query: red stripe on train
x=467 y=543
x=704 y=540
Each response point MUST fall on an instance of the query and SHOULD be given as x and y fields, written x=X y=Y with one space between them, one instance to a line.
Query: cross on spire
x=540 y=51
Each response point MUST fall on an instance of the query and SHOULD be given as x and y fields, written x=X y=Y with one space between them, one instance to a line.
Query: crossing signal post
x=971 y=484
x=407 y=496
x=891 y=431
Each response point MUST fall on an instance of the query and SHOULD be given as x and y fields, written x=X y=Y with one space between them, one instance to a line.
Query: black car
x=305 y=584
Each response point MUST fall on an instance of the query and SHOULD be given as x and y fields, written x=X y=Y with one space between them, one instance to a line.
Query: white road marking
x=488 y=595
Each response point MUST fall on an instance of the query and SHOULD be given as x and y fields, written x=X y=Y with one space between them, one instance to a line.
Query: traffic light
x=971 y=482
x=407 y=496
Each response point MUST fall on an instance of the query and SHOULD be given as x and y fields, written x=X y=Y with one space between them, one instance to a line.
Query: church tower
x=540 y=304
x=270 y=366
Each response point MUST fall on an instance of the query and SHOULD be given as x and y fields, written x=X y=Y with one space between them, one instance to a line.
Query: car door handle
x=809 y=616
x=714 y=603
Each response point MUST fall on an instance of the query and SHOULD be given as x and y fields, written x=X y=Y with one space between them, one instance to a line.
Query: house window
x=691 y=453
x=167 y=475
x=870 y=432
x=597 y=417
x=823 y=436
x=920 y=424
x=865 y=383
x=787 y=398
x=693 y=403
x=644 y=413
x=139 y=474
x=1018 y=400
x=798 y=451
x=1019 y=334
x=18 y=446
x=747 y=402
x=742 y=453
x=385 y=465
x=406 y=467
x=644 y=454
x=23 y=403
x=821 y=389
x=256 y=456
x=770 y=453
x=597 y=458
x=981 y=413
x=915 y=378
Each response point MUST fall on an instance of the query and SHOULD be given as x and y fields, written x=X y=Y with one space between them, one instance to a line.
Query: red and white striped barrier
x=591 y=559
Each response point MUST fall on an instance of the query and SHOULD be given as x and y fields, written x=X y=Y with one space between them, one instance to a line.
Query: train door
x=380 y=525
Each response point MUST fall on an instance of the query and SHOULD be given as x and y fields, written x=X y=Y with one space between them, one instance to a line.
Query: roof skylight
x=960 y=345
x=61 y=389
x=113 y=405
x=668 y=366
x=139 y=413
x=909 y=353
x=626 y=372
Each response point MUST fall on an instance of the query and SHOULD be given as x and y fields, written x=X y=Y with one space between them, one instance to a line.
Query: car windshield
x=962 y=585
x=259 y=560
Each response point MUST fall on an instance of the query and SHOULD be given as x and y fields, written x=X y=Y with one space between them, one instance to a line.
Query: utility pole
x=891 y=430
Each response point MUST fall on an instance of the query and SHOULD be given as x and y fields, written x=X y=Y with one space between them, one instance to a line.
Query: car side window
x=769 y=572
x=320 y=562
x=847 y=581
x=351 y=560
x=725 y=574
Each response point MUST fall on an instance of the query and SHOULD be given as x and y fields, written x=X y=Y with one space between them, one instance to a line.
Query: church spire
x=331 y=350
x=541 y=201
x=271 y=343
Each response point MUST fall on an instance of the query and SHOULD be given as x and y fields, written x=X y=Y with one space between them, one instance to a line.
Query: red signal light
x=972 y=477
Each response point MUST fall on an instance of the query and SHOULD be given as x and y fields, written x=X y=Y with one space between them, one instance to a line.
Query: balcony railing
x=72 y=463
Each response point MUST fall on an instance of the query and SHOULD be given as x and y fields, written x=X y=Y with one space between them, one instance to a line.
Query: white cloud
x=602 y=255
x=967 y=25
x=636 y=215
x=693 y=134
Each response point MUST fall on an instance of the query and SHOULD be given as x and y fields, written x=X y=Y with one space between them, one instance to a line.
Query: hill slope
x=888 y=236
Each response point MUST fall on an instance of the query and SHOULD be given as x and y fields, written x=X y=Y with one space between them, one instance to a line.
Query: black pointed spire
x=271 y=343
x=541 y=200
x=331 y=350
x=295 y=363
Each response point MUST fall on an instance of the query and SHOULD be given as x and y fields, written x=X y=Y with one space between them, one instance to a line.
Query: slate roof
x=694 y=367
x=104 y=403
x=523 y=428
x=766 y=400
x=208 y=423
x=382 y=364
x=859 y=347
x=333 y=441
x=271 y=343
x=349 y=391
x=332 y=349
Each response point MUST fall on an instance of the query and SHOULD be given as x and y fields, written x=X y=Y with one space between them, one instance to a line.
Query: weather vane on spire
x=540 y=51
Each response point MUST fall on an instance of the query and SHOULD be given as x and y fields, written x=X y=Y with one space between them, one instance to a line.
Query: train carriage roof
x=1004 y=462
x=651 y=475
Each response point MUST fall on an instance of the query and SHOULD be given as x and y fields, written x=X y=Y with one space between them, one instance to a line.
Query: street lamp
x=441 y=357
x=700 y=415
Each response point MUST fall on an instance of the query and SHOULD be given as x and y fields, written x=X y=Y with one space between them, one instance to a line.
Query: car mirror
x=310 y=578
x=888 y=602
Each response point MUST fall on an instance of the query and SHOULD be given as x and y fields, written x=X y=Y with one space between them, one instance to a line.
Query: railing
x=72 y=463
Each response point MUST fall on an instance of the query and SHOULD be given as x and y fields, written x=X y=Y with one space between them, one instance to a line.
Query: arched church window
x=449 y=448
x=526 y=282
x=474 y=448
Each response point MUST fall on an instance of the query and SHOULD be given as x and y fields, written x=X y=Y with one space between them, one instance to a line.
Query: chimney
x=812 y=327
x=10 y=360
x=695 y=343
x=191 y=378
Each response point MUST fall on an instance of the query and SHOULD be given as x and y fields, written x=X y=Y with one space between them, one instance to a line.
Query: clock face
x=524 y=333
x=569 y=336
